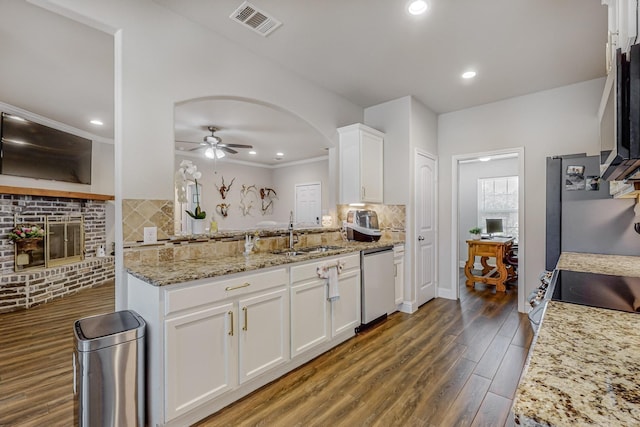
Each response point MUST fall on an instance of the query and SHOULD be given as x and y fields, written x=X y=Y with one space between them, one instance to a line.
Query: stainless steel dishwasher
x=377 y=285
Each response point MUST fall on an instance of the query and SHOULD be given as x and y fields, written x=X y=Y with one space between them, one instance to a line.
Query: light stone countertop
x=584 y=367
x=201 y=268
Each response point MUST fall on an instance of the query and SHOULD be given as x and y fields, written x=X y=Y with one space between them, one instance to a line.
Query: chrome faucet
x=292 y=240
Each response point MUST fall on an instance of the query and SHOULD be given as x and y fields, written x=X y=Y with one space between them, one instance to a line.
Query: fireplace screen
x=62 y=243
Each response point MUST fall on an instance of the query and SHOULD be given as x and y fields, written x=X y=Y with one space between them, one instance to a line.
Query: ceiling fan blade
x=226 y=149
x=197 y=148
x=235 y=145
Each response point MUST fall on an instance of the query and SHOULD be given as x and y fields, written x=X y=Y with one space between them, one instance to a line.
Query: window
x=498 y=198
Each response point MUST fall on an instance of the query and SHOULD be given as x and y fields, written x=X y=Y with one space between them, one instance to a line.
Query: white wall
x=285 y=179
x=166 y=59
x=553 y=122
x=394 y=119
x=282 y=180
x=408 y=125
x=468 y=175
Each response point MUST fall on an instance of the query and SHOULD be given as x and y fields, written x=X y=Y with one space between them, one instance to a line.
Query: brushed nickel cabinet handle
x=244 y=328
x=231 y=316
x=231 y=288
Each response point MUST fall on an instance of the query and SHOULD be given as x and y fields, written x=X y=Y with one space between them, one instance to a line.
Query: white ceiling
x=55 y=67
x=368 y=51
x=372 y=51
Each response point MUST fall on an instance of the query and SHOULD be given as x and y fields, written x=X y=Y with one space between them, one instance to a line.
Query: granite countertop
x=584 y=368
x=202 y=268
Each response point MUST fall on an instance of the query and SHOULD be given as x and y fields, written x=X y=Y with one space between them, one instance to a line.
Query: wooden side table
x=497 y=248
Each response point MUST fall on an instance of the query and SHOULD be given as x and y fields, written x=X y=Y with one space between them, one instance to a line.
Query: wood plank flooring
x=452 y=363
x=36 y=373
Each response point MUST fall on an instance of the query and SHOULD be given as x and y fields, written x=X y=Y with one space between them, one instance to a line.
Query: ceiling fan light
x=209 y=153
x=219 y=153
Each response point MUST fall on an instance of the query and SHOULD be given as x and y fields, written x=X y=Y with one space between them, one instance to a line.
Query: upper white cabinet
x=623 y=26
x=361 y=164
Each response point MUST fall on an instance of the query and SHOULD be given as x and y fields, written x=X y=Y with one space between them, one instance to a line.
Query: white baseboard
x=446 y=293
x=408 y=307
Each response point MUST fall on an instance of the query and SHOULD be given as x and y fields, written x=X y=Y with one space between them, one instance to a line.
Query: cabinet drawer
x=308 y=271
x=196 y=295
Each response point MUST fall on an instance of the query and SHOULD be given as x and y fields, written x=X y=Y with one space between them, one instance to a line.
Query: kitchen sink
x=305 y=251
x=319 y=249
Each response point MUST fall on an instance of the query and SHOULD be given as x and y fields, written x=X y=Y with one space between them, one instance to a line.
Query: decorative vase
x=198 y=226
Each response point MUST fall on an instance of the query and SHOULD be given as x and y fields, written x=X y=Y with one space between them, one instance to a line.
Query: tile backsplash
x=140 y=213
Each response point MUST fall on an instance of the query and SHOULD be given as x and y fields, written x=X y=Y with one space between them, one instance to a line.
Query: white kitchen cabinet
x=264 y=334
x=345 y=311
x=200 y=360
x=316 y=320
x=231 y=331
x=361 y=155
x=212 y=341
x=622 y=27
x=398 y=263
x=309 y=315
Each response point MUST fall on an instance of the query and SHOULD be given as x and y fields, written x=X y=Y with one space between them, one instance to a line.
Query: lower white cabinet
x=212 y=341
x=398 y=263
x=215 y=348
x=263 y=333
x=345 y=311
x=201 y=358
x=309 y=315
x=315 y=319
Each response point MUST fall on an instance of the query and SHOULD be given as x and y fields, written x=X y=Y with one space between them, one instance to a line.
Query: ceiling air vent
x=250 y=16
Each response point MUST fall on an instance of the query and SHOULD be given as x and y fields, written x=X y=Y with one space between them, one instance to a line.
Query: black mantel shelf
x=25 y=191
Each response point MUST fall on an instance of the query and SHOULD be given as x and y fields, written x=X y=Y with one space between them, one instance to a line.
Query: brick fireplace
x=28 y=287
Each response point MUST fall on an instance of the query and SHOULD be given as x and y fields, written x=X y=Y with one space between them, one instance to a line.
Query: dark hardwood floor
x=36 y=345
x=452 y=363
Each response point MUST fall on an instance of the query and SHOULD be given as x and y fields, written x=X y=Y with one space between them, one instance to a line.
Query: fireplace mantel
x=25 y=191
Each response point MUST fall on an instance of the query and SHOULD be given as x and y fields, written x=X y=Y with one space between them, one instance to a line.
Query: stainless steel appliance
x=598 y=290
x=109 y=370
x=593 y=289
x=362 y=225
x=377 y=285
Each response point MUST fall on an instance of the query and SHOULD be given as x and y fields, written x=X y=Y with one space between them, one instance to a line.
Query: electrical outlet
x=150 y=234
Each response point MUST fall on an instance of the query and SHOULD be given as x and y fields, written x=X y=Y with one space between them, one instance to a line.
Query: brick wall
x=26 y=289
x=31 y=287
x=94 y=212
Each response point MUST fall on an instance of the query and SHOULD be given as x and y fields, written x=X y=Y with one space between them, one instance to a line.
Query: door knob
x=420 y=238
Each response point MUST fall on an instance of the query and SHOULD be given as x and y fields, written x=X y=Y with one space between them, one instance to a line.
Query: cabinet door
x=371 y=168
x=345 y=311
x=309 y=315
x=264 y=332
x=200 y=358
x=398 y=264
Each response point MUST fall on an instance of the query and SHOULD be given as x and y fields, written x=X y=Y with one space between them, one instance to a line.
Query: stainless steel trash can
x=109 y=370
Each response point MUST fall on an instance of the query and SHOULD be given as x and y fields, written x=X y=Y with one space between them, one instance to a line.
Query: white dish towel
x=330 y=272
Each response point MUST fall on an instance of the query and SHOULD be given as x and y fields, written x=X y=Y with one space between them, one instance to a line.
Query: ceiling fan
x=214 y=147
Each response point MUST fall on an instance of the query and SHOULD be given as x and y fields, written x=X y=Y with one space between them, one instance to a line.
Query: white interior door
x=425 y=228
x=308 y=203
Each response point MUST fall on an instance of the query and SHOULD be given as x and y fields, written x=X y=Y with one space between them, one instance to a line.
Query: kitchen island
x=584 y=368
x=219 y=327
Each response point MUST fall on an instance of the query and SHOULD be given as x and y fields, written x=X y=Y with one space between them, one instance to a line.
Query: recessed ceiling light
x=469 y=75
x=279 y=154
x=96 y=122
x=252 y=152
x=484 y=159
x=417 y=7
